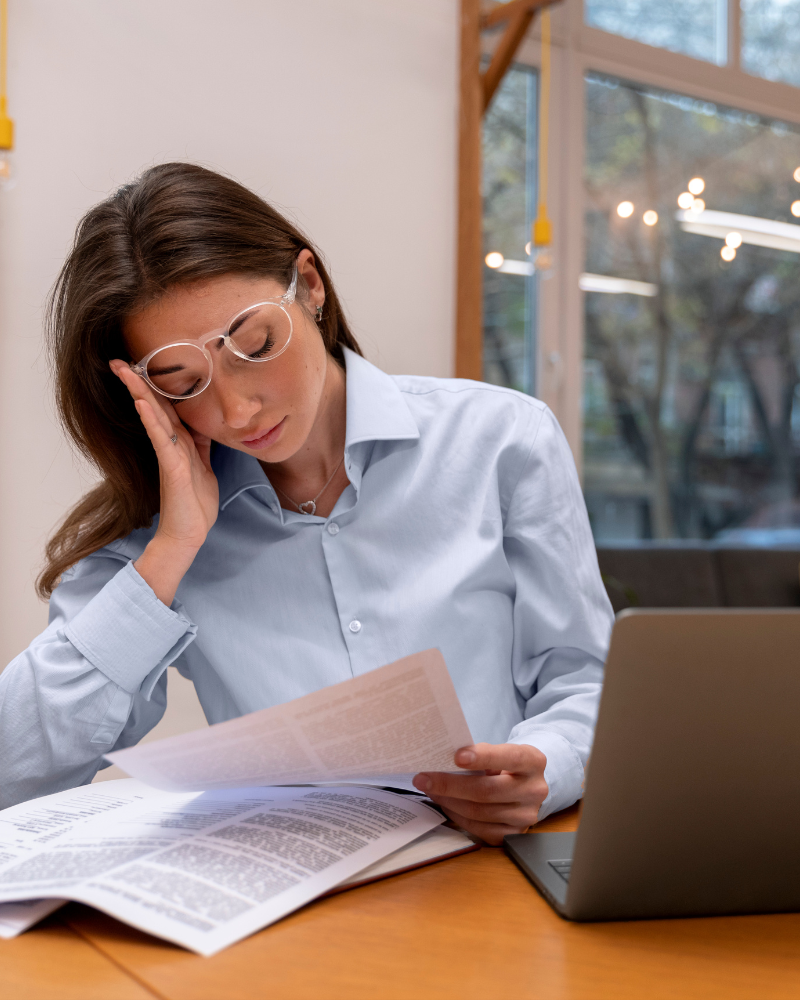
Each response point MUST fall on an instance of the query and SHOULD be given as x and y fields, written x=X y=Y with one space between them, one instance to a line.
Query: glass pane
x=694 y=27
x=771 y=38
x=692 y=364
x=509 y=194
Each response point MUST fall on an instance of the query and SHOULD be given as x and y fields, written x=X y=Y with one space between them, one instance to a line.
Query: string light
x=727 y=253
x=796 y=208
x=528 y=249
x=698 y=206
x=734 y=240
x=796 y=175
x=696 y=185
x=625 y=209
x=650 y=218
x=494 y=259
x=6 y=124
x=686 y=199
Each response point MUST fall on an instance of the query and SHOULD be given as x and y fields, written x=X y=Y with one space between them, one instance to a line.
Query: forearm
x=93 y=680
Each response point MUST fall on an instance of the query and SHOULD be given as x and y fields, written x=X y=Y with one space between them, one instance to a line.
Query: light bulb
x=796 y=175
x=8 y=173
x=494 y=259
x=685 y=199
x=796 y=208
x=734 y=240
x=698 y=206
x=528 y=249
x=727 y=253
x=650 y=218
x=696 y=185
x=625 y=209
x=544 y=261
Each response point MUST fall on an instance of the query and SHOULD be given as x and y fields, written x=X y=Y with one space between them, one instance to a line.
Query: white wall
x=342 y=112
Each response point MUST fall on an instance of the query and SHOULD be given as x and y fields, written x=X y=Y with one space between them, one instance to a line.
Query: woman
x=276 y=515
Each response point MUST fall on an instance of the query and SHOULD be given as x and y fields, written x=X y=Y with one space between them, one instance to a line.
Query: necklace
x=310 y=506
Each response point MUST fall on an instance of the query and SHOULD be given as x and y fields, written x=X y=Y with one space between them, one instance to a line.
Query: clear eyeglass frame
x=223 y=333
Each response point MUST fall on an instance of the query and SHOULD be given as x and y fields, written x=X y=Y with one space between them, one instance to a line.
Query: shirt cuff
x=563 y=772
x=128 y=634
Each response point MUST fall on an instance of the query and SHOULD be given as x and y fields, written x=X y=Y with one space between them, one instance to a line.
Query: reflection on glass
x=509 y=197
x=692 y=376
x=694 y=27
x=771 y=38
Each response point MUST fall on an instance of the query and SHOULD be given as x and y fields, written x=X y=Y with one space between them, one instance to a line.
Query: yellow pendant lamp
x=542 y=229
x=6 y=124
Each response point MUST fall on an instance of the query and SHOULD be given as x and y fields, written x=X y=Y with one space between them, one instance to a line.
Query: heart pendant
x=309 y=507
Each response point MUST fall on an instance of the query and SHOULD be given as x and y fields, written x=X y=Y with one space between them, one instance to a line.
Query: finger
x=515 y=757
x=168 y=455
x=203 y=445
x=139 y=389
x=509 y=814
x=477 y=788
x=491 y=833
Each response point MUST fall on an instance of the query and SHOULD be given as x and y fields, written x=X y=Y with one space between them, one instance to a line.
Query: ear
x=307 y=269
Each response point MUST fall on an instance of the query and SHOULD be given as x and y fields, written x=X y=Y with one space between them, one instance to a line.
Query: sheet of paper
x=26 y=828
x=205 y=870
x=383 y=726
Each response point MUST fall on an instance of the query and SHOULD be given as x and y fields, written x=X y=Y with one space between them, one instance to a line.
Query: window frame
x=578 y=49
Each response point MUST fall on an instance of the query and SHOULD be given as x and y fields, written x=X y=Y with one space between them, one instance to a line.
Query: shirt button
x=355 y=626
x=333 y=528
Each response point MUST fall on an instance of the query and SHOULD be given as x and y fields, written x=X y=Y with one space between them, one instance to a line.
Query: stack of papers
x=207 y=847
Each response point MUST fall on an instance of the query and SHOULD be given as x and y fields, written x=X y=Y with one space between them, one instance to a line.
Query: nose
x=238 y=408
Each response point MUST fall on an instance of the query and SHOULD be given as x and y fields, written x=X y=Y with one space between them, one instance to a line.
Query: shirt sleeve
x=562 y=614
x=93 y=681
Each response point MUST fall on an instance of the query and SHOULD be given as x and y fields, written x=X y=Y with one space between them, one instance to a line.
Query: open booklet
x=230 y=841
x=206 y=869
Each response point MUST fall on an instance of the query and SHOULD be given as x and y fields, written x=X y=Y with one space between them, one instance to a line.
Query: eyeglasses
x=260 y=332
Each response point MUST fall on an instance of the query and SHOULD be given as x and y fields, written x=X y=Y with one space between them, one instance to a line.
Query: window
x=771 y=39
x=509 y=193
x=694 y=27
x=692 y=316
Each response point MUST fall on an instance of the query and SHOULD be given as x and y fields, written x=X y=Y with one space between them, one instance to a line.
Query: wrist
x=163 y=565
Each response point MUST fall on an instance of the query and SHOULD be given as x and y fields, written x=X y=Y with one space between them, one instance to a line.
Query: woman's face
x=264 y=409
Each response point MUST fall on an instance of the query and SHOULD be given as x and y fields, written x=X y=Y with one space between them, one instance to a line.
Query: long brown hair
x=177 y=223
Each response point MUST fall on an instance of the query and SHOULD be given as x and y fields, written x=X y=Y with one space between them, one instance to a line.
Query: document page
x=26 y=828
x=206 y=870
x=389 y=723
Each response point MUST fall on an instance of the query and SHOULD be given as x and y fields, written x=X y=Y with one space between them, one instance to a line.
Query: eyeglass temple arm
x=291 y=291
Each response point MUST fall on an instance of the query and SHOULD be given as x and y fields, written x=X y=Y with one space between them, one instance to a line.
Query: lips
x=265 y=439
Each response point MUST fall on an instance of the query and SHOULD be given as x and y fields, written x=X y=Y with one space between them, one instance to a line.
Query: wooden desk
x=472 y=928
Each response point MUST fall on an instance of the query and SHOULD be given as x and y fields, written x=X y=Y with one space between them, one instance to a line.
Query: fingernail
x=423 y=783
x=465 y=758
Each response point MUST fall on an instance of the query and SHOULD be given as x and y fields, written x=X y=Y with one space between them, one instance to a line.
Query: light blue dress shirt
x=463 y=527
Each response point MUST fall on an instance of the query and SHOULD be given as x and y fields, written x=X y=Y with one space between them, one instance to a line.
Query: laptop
x=692 y=799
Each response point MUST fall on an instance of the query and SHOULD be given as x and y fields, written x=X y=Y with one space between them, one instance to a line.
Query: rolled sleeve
x=128 y=634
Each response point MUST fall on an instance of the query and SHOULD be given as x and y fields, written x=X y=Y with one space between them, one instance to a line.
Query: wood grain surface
x=52 y=962
x=470 y=928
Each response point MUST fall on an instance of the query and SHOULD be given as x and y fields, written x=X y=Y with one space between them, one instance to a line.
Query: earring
x=318 y=317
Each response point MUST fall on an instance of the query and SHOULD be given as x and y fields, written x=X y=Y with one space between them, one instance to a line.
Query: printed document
x=202 y=870
x=379 y=728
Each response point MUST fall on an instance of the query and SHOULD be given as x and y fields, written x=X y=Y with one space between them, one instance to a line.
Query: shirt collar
x=376 y=411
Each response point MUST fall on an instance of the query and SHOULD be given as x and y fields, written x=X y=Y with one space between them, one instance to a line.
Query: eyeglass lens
x=182 y=370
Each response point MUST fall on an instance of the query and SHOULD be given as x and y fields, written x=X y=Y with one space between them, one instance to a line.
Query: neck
x=323 y=448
